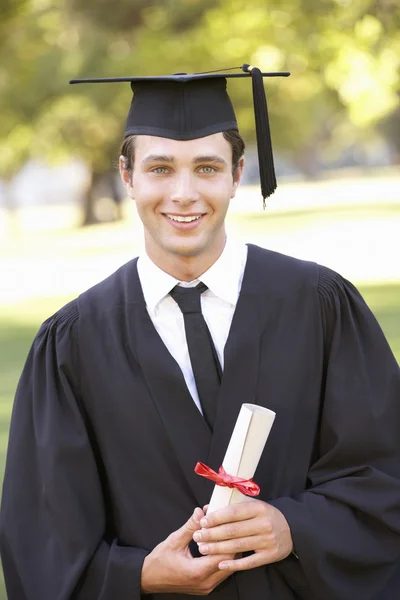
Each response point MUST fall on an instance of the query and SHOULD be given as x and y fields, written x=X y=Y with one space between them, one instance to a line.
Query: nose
x=183 y=188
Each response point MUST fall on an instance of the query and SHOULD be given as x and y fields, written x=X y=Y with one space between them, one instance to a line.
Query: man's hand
x=170 y=567
x=247 y=526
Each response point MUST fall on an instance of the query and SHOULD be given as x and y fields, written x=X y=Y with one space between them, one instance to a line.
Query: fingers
x=247 y=563
x=265 y=557
x=180 y=538
x=234 y=512
x=229 y=531
x=253 y=526
x=207 y=566
x=210 y=564
x=235 y=546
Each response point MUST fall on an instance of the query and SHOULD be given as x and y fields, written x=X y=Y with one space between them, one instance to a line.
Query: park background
x=64 y=221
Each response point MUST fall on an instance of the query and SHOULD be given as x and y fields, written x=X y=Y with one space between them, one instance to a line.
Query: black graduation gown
x=105 y=435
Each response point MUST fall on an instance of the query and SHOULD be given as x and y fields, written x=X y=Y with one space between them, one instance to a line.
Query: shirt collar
x=155 y=282
x=223 y=278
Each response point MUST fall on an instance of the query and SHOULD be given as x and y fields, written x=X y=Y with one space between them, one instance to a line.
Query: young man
x=126 y=388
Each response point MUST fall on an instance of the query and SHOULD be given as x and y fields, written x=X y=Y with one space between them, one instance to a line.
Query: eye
x=159 y=170
x=207 y=170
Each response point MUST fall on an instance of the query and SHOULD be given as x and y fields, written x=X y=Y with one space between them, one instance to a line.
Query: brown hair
x=232 y=136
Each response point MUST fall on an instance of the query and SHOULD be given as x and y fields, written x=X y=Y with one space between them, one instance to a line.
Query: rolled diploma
x=244 y=452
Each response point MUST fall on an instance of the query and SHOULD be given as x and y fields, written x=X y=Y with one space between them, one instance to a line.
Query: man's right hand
x=170 y=567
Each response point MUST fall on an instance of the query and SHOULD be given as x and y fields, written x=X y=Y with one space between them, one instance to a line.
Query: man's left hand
x=248 y=526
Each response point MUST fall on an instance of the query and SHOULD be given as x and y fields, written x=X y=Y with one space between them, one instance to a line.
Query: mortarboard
x=189 y=106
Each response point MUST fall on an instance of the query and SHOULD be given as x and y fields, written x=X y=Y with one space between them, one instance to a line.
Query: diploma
x=244 y=452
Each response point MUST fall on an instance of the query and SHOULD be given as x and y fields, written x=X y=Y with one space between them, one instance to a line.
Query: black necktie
x=203 y=356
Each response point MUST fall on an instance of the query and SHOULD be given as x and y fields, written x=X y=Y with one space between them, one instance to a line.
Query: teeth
x=183 y=219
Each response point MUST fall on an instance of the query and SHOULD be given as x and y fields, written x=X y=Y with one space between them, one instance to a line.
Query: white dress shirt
x=218 y=303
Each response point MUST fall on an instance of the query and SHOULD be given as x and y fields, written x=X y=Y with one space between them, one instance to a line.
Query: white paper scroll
x=244 y=452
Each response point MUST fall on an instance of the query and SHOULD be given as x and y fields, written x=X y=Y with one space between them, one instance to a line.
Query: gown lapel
x=241 y=358
x=185 y=425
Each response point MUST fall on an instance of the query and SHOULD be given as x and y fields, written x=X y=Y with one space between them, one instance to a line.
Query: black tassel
x=264 y=144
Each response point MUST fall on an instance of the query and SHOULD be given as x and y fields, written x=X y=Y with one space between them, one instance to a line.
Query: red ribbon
x=246 y=486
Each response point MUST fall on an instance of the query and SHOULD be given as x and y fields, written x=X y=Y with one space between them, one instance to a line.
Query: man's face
x=182 y=191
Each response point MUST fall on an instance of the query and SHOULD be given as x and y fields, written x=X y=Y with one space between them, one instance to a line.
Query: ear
x=237 y=177
x=126 y=176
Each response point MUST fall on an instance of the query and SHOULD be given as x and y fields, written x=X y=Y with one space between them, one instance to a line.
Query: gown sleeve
x=53 y=520
x=346 y=525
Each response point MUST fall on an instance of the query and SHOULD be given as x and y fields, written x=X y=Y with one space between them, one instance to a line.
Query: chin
x=186 y=251
x=186 y=247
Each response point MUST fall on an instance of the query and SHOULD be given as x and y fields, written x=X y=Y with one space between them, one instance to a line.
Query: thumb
x=180 y=538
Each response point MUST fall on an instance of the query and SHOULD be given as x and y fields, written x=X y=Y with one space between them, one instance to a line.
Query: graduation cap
x=189 y=106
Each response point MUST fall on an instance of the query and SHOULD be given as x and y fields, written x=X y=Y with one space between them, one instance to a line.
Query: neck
x=186 y=268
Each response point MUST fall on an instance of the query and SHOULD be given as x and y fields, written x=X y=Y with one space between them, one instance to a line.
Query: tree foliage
x=344 y=56
x=176 y=15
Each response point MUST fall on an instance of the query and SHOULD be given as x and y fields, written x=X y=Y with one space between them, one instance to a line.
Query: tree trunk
x=116 y=193
x=89 y=201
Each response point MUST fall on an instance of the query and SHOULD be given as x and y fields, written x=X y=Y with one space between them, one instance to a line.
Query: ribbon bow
x=246 y=486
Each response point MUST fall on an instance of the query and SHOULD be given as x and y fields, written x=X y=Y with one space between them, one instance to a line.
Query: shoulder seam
x=69 y=313
x=328 y=281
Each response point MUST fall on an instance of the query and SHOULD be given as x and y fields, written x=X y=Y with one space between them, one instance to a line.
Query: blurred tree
x=344 y=57
x=18 y=52
x=10 y=9
x=177 y=15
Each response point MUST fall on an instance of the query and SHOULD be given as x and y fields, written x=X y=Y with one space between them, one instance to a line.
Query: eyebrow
x=213 y=158
x=158 y=158
x=163 y=158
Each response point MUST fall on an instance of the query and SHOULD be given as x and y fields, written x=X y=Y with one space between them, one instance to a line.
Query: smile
x=182 y=219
